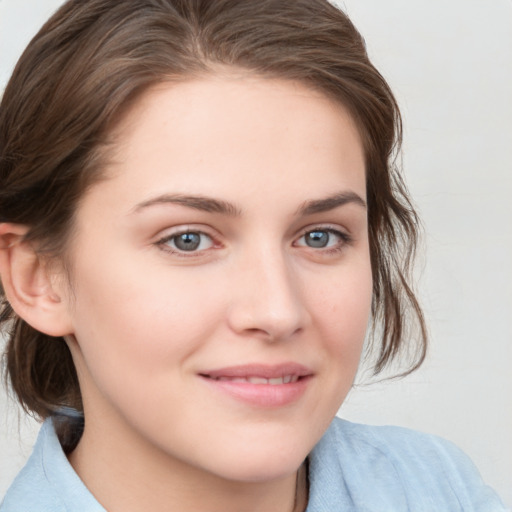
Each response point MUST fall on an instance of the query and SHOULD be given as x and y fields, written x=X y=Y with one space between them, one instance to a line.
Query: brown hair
x=94 y=57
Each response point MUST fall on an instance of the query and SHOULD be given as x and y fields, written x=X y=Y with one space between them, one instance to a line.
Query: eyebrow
x=330 y=203
x=202 y=203
x=211 y=205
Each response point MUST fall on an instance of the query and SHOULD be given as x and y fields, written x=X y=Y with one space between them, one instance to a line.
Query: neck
x=158 y=482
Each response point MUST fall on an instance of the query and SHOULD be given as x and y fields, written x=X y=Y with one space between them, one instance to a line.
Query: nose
x=267 y=298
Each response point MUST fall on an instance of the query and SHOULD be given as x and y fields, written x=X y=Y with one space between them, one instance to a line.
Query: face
x=221 y=277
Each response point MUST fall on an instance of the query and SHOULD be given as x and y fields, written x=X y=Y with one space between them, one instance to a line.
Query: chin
x=261 y=461
x=259 y=471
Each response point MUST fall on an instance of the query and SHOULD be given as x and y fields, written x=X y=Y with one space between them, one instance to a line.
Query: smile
x=261 y=385
x=286 y=379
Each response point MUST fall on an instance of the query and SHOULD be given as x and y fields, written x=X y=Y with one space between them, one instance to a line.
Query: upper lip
x=265 y=371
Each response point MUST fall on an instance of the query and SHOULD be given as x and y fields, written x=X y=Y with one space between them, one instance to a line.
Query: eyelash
x=345 y=239
x=163 y=243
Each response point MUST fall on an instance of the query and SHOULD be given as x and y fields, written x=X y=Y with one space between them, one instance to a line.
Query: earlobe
x=28 y=285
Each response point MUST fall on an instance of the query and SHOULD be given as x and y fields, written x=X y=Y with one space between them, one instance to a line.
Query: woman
x=199 y=216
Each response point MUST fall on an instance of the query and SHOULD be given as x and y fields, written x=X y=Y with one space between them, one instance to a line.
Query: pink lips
x=261 y=385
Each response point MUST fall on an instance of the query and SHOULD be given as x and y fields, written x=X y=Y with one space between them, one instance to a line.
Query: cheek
x=142 y=322
x=343 y=310
x=344 y=305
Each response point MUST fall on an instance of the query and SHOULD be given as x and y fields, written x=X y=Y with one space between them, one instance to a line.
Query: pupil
x=317 y=239
x=188 y=241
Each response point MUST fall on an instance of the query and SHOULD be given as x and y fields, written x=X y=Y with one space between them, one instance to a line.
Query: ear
x=32 y=292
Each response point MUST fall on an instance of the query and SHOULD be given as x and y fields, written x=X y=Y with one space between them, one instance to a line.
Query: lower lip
x=261 y=395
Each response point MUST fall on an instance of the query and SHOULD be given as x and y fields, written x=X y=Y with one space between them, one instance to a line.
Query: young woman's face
x=221 y=277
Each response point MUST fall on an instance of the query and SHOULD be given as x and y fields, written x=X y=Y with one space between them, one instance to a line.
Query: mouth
x=261 y=385
x=276 y=381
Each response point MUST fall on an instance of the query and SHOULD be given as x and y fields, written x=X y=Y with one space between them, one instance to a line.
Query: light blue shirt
x=354 y=468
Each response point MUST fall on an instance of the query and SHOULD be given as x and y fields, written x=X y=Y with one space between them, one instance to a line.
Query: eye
x=188 y=241
x=317 y=239
x=323 y=238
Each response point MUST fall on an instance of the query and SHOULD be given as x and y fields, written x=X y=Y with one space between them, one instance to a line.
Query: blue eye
x=317 y=239
x=323 y=239
x=189 y=241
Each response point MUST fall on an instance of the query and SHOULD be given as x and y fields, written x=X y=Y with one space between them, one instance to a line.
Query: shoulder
x=403 y=447
x=48 y=483
x=30 y=490
x=393 y=468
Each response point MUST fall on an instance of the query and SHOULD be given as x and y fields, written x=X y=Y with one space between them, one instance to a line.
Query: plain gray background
x=450 y=65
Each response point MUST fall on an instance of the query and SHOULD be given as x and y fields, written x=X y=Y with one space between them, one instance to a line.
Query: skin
x=146 y=319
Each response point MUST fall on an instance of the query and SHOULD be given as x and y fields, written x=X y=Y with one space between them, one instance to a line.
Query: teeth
x=285 y=379
x=257 y=380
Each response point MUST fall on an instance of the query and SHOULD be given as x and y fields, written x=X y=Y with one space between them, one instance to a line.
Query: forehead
x=223 y=135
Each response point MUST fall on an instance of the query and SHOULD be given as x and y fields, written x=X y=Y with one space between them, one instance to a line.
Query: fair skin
x=174 y=335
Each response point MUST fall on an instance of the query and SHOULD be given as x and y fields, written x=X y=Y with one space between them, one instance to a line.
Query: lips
x=261 y=385
x=265 y=373
x=286 y=379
